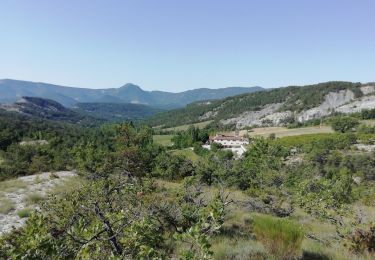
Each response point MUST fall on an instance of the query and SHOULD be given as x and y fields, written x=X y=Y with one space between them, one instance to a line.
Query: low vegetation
x=282 y=237
x=306 y=196
x=6 y=205
x=33 y=198
x=24 y=213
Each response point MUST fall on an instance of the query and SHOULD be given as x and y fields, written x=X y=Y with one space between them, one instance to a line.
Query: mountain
x=12 y=90
x=48 y=109
x=116 y=111
x=82 y=113
x=275 y=107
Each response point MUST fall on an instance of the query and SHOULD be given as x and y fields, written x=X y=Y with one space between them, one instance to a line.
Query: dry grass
x=370 y=122
x=6 y=205
x=12 y=185
x=68 y=185
x=283 y=131
x=33 y=198
x=240 y=248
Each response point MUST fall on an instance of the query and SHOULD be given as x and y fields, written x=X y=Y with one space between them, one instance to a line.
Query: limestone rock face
x=332 y=101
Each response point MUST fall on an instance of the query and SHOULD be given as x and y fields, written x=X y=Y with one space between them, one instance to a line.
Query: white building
x=236 y=143
x=229 y=141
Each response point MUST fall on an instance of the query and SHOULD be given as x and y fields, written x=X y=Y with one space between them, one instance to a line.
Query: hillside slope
x=116 y=111
x=50 y=110
x=275 y=107
x=12 y=90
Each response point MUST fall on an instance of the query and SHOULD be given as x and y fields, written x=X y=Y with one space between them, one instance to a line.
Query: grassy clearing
x=283 y=131
x=6 y=205
x=185 y=127
x=282 y=237
x=164 y=140
x=370 y=122
x=188 y=153
x=12 y=185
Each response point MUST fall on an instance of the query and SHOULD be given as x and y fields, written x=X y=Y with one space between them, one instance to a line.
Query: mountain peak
x=12 y=90
x=131 y=86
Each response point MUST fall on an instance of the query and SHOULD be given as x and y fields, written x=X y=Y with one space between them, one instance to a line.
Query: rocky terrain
x=22 y=194
x=343 y=101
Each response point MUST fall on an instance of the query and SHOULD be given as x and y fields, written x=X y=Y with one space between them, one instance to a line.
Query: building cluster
x=237 y=144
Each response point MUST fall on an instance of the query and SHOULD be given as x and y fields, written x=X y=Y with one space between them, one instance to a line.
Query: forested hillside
x=116 y=111
x=292 y=99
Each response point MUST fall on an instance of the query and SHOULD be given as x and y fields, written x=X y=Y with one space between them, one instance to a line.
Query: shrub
x=24 y=213
x=363 y=241
x=282 y=237
x=344 y=124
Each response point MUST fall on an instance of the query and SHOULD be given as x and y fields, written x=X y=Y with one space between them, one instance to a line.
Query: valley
x=298 y=190
x=189 y=130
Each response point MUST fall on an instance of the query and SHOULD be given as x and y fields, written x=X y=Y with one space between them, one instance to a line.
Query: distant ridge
x=82 y=113
x=48 y=109
x=12 y=90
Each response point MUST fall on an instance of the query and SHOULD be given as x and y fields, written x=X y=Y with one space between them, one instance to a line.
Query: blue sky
x=175 y=45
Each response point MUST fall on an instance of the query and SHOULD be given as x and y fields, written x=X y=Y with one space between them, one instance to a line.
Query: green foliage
x=259 y=167
x=307 y=143
x=189 y=137
x=368 y=114
x=344 y=124
x=173 y=167
x=24 y=213
x=282 y=237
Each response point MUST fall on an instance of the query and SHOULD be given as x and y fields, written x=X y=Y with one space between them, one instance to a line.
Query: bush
x=344 y=124
x=282 y=237
x=24 y=213
x=363 y=241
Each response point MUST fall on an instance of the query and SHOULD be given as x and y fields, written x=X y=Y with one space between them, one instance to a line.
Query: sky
x=175 y=45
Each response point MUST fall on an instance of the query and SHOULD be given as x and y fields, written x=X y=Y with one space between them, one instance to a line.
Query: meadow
x=283 y=131
x=164 y=140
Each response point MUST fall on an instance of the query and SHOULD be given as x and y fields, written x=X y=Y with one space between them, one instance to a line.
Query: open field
x=283 y=131
x=185 y=127
x=165 y=140
x=370 y=122
x=188 y=152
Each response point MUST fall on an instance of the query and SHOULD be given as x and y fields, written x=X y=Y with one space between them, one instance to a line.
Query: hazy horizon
x=177 y=46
